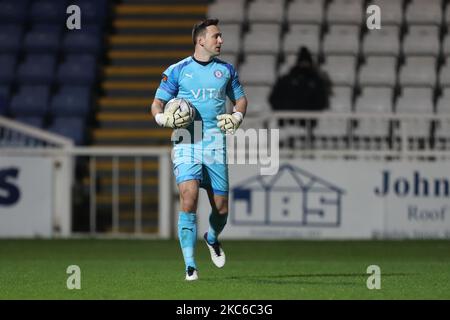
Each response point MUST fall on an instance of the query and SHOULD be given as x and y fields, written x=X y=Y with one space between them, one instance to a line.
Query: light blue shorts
x=208 y=166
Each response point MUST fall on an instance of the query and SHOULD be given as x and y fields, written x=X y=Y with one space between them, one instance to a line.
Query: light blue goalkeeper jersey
x=205 y=86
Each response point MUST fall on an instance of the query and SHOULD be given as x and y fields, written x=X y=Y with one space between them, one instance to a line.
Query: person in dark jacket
x=304 y=88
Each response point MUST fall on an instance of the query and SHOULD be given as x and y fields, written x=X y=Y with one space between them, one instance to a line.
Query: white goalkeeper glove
x=229 y=123
x=173 y=119
x=182 y=119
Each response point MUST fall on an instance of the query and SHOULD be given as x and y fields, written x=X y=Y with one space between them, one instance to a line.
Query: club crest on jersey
x=164 y=78
x=218 y=74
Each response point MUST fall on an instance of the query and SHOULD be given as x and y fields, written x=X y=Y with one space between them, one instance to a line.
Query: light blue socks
x=216 y=224
x=187 y=233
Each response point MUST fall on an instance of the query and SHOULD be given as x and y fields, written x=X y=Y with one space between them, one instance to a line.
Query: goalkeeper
x=205 y=81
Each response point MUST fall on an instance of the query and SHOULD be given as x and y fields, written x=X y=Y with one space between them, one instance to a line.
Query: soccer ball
x=183 y=105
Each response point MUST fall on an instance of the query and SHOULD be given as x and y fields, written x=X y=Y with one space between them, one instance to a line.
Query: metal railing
x=16 y=134
x=138 y=154
x=359 y=134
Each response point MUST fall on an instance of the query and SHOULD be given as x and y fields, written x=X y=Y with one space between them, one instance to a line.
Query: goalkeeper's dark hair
x=199 y=28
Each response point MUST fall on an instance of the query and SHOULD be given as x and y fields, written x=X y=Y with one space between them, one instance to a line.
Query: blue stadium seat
x=48 y=11
x=4 y=99
x=10 y=38
x=88 y=39
x=71 y=127
x=49 y=27
x=39 y=40
x=77 y=69
x=30 y=101
x=37 y=122
x=7 y=67
x=13 y=10
x=71 y=101
x=37 y=69
x=92 y=11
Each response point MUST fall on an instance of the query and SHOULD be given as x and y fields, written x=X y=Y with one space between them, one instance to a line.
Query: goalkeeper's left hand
x=229 y=123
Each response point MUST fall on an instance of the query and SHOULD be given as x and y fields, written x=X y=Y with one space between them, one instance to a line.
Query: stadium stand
x=342 y=99
x=446 y=45
x=4 y=99
x=43 y=64
x=424 y=12
x=383 y=42
x=71 y=101
x=415 y=101
x=378 y=71
x=418 y=71
x=31 y=101
x=341 y=69
x=393 y=13
x=341 y=39
x=13 y=11
x=73 y=127
x=7 y=65
x=266 y=11
x=376 y=66
x=442 y=133
x=447 y=14
x=421 y=40
x=301 y=35
x=258 y=69
x=48 y=11
x=43 y=38
x=233 y=32
x=77 y=69
x=287 y=63
x=373 y=100
x=232 y=11
x=86 y=40
x=444 y=75
x=145 y=37
x=345 y=12
x=11 y=38
x=306 y=11
x=262 y=39
x=37 y=122
x=37 y=69
x=258 y=94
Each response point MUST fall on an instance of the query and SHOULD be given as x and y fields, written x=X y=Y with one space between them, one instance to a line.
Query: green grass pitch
x=153 y=269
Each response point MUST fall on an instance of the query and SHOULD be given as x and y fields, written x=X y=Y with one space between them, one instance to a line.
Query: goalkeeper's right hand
x=170 y=119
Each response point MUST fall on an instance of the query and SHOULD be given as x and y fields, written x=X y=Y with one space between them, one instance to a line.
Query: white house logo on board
x=292 y=198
